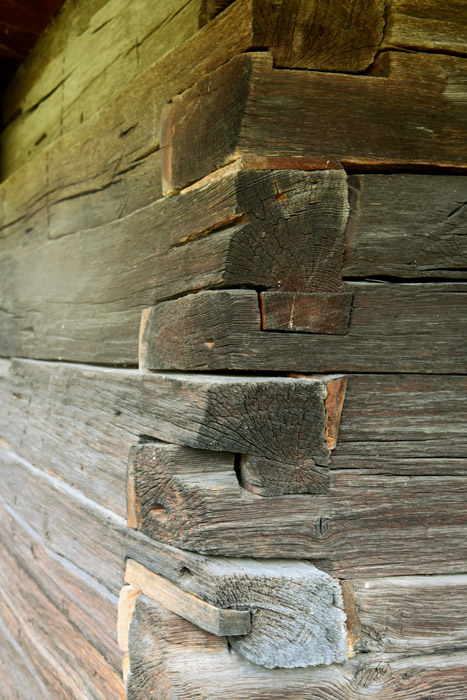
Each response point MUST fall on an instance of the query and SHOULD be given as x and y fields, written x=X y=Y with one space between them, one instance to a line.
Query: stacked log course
x=233 y=337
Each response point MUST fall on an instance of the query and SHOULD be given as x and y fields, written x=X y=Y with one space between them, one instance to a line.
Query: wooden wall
x=233 y=269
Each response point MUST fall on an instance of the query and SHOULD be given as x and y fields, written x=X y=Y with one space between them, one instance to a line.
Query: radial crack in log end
x=319 y=312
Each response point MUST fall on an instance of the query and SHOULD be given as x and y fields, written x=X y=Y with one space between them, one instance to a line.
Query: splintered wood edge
x=205 y=615
x=334 y=402
x=141 y=343
x=126 y=608
x=244 y=163
x=354 y=630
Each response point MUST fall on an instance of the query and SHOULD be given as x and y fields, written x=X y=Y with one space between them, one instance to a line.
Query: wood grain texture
x=117 y=150
x=52 y=631
x=426 y=26
x=319 y=312
x=247 y=229
x=90 y=417
x=406 y=226
x=409 y=112
x=280 y=593
x=412 y=328
x=202 y=667
x=412 y=615
x=221 y=621
x=55 y=304
x=54 y=91
x=382 y=523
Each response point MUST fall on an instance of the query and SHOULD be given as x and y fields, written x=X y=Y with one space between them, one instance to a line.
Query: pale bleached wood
x=413 y=328
x=204 y=667
x=87 y=604
x=64 y=659
x=126 y=608
x=220 y=621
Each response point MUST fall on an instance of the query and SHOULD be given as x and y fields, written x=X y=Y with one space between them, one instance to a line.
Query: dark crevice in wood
x=393 y=279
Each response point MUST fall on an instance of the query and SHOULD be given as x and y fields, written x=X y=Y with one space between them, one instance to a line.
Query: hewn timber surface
x=409 y=112
x=383 y=522
x=204 y=667
x=91 y=416
x=416 y=328
x=80 y=297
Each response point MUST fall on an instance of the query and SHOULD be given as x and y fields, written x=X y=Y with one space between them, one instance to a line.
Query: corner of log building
x=233 y=350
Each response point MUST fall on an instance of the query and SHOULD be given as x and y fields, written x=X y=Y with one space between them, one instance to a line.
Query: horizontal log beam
x=203 y=667
x=279 y=231
x=407 y=114
x=376 y=521
x=221 y=330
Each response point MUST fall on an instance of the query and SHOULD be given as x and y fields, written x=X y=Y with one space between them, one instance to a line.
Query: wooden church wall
x=233 y=336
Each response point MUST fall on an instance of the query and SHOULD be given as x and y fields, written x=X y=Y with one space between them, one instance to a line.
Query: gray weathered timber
x=407 y=226
x=279 y=593
x=297 y=616
x=412 y=614
x=417 y=328
x=65 y=660
x=221 y=621
x=91 y=416
x=203 y=668
x=85 y=603
x=18 y=671
x=409 y=112
x=383 y=522
x=80 y=297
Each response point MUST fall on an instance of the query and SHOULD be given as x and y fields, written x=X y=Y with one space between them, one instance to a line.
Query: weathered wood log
x=280 y=593
x=385 y=522
x=255 y=416
x=117 y=150
x=406 y=226
x=214 y=236
x=18 y=671
x=204 y=667
x=247 y=229
x=224 y=622
x=246 y=108
x=416 y=614
x=91 y=416
x=64 y=659
x=292 y=613
x=86 y=604
x=52 y=94
x=426 y=26
x=393 y=328
x=55 y=91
